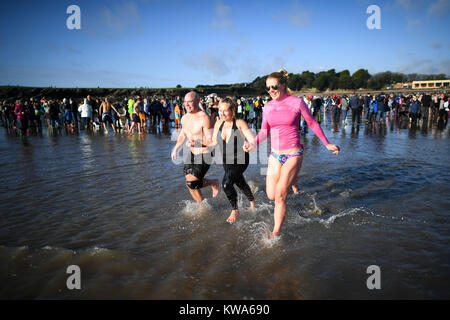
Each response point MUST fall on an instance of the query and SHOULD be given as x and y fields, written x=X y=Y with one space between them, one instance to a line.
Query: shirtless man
x=196 y=126
x=105 y=111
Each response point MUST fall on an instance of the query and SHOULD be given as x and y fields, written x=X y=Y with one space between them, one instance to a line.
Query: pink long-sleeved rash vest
x=281 y=118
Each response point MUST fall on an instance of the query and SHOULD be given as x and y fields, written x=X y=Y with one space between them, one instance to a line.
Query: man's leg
x=195 y=185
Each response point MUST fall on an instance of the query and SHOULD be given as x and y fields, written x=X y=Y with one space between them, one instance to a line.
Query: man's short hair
x=196 y=95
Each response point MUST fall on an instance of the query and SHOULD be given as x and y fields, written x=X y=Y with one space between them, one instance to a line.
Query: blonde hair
x=231 y=104
x=282 y=77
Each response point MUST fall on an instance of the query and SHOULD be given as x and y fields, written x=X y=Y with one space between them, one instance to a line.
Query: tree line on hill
x=322 y=81
x=361 y=79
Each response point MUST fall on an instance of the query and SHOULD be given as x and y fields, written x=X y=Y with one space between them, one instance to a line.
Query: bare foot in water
x=273 y=235
x=215 y=188
x=252 y=206
x=295 y=188
x=233 y=216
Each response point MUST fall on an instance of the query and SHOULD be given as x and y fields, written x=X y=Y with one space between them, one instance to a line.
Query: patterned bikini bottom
x=284 y=157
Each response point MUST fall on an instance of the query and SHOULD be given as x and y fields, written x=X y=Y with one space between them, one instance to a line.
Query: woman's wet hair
x=231 y=104
x=282 y=77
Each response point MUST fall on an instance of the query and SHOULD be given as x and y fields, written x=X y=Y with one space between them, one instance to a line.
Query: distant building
x=407 y=85
x=431 y=84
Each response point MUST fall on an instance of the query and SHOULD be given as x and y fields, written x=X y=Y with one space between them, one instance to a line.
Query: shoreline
x=22 y=92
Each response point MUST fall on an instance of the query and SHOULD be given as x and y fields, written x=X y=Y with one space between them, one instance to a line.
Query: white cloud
x=439 y=7
x=413 y=66
x=72 y=49
x=297 y=15
x=121 y=17
x=288 y=50
x=425 y=66
x=412 y=23
x=436 y=45
x=113 y=21
x=241 y=62
x=406 y=4
x=222 y=17
x=214 y=63
x=445 y=66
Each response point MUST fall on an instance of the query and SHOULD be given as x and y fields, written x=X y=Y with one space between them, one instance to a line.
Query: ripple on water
x=115 y=207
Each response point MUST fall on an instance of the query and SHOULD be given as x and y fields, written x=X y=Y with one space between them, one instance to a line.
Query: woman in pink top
x=281 y=117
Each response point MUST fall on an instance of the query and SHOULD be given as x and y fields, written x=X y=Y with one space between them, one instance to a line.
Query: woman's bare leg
x=288 y=173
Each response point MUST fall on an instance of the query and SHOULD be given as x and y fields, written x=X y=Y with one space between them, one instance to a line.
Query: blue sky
x=162 y=43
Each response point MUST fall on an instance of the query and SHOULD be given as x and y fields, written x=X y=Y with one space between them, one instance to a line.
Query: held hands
x=248 y=146
x=334 y=148
x=192 y=143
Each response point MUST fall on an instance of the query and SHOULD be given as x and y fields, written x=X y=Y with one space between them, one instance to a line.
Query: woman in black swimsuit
x=230 y=134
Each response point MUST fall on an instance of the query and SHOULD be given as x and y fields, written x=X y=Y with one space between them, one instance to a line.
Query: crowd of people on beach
x=227 y=122
x=137 y=115
x=430 y=109
x=127 y=115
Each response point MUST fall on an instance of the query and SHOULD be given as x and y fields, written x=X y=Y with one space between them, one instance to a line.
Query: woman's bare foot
x=295 y=188
x=215 y=188
x=252 y=206
x=274 y=234
x=233 y=216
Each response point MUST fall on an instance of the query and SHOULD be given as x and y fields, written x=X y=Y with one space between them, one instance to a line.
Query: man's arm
x=207 y=129
x=180 y=140
x=115 y=109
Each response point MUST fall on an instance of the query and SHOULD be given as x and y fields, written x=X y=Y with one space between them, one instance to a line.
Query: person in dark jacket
x=355 y=105
x=258 y=107
x=426 y=104
x=414 y=110
x=54 y=114
x=22 y=116
x=381 y=107
x=316 y=105
x=156 y=111
x=74 y=110
x=336 y=109
x=367 y=99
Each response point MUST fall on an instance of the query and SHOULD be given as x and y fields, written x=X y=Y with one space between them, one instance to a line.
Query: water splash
x=195 y=209
x=327 y=222
x=253 y=187
x=259 y=233
x=97 y=251
x=264 y=207
x=316 y=209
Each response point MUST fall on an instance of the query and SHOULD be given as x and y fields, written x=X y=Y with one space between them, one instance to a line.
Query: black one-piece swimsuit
x=235 y=162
